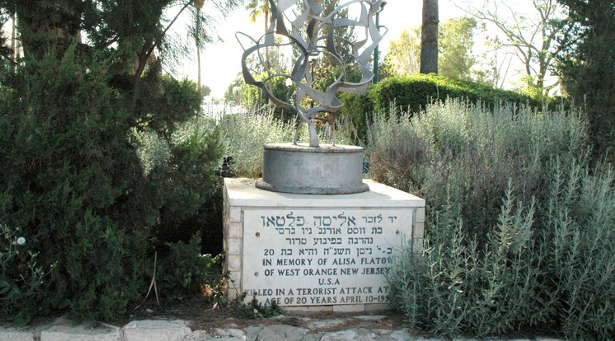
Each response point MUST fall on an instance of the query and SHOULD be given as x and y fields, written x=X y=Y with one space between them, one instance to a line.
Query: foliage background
x=106 y=165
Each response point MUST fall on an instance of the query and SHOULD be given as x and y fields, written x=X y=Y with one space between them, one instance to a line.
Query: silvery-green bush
x=519 y=228
x=472 y=154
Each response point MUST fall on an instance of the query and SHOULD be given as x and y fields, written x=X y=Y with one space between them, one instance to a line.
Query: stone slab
x=278 y=332
x=370 y=317
x=201 y=335
x=326 y=324
x=320 y=256
x=316 y=252
x=69 y=332
x=156 y=330
x=358 y=334
x=12 y=334
x=243 y=192
x=230 y=332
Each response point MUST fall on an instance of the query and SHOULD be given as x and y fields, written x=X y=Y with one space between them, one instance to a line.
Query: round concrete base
x=303 y=169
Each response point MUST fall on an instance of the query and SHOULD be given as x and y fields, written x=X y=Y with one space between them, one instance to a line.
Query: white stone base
x=156 y=330
x=11 y=334
x=278 y=243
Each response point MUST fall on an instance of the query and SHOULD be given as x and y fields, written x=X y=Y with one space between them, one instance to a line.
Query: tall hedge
x=416 y=91
x=413 y=93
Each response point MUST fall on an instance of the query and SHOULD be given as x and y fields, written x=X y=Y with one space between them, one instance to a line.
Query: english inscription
x=321 y=257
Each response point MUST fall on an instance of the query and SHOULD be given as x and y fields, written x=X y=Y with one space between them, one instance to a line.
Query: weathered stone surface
x=252 y=332
x=278 y=332
x=230 y=332
x=156 y=330
x=358 y=334
x=419 y=230
x=341 y=244
x=197 y=335
x=67 y=331
x=420 y=215
x=370 y=317
x=399 y=335
x=325 y=324
x=309 y=309
x=200 y=335
x=349 y=308
x=312 y=337
x=12 y=334
x=285 y=328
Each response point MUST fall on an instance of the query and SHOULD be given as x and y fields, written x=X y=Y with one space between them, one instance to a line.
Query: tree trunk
x=48 y=26
x=198 y=58
x=14 y=54
x=429 y=37
x=198 y=65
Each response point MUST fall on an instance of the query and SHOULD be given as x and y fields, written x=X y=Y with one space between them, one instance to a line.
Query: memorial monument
x=311 y=234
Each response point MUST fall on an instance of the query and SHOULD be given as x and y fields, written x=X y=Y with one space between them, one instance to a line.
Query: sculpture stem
x=297 y=127
x=313 y=135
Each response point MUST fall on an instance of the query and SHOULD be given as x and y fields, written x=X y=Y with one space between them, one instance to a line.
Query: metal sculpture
x=304 y=26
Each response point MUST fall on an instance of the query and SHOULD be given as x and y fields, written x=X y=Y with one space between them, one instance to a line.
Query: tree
x=531 y=36
x=258 y=8
x=494 y=64
x=14 y=47
x=198 y=42
x=456 y=43
x=586 y=63
x=455 y=50
x=136 y=29
x=429 y=37
x=403 y=56
x=74 y=117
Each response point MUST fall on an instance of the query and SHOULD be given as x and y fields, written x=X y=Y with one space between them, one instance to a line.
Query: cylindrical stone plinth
x=303 y=169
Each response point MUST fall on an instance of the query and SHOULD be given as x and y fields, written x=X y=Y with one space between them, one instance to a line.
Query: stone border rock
x=335 y=328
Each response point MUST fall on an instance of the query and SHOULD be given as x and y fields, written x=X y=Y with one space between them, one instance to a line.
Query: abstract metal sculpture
x=310 y=32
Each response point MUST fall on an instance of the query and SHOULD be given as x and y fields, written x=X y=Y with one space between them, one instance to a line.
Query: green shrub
x=460 y=287
x=519 y=229
x=22 y=280
x=359 y=111
x=552 y=270
x=182 y=170
x=167 y=102
x=255 y=99
x=69 y=178
x=185 y=270
x=97 y=189
x=578 y=228
x=413 y=93
x=469 y=153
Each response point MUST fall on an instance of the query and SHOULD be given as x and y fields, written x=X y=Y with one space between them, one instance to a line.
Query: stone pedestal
x=317 y=252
